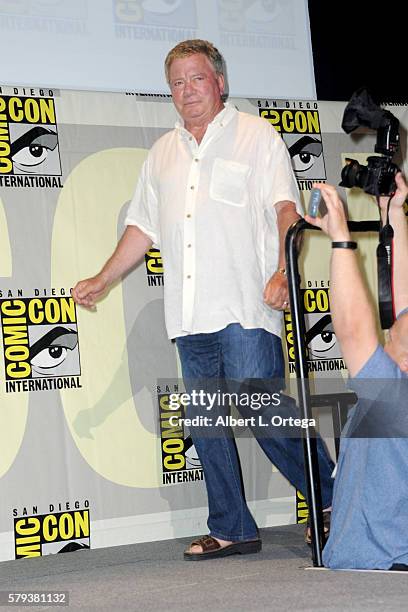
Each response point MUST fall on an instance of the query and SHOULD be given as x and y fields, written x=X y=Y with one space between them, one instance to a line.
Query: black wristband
x=347 y=244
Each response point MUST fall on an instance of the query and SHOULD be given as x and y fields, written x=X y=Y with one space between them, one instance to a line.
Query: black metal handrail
x=305 y=398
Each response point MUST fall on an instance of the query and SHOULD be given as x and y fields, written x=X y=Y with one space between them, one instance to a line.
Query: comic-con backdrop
x=89 y=457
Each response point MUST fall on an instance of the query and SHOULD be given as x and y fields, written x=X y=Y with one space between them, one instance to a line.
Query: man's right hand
x=88 y=291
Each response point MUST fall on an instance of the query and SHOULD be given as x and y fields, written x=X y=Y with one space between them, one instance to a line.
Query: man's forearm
x=351 y=309
x=130 y=249
x=286 y=215
x=350 y=304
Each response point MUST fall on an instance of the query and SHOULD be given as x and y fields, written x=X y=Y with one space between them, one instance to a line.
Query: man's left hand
x=276 y=293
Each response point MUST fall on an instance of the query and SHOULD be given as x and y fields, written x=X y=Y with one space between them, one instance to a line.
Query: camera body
x=378 y=176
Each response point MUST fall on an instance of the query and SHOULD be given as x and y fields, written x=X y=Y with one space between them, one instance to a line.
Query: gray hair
x=190 y=47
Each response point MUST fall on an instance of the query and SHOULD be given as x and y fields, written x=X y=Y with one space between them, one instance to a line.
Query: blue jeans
x=240 y=354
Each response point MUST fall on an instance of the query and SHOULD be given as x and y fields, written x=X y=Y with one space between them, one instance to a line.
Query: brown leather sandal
x=211 y=548
x=326 y=527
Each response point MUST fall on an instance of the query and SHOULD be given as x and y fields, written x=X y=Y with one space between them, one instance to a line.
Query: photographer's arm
x=399 y=223
x=351 y=309
x=130 y=249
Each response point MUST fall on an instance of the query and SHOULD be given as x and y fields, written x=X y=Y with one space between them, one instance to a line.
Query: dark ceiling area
x=359 y=44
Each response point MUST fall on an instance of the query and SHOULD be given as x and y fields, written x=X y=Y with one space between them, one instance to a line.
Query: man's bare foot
x=208 y=547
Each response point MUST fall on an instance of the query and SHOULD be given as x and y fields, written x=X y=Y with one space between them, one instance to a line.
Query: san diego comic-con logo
x=256 y=23
x=58 y=9
x=154 y=268
x=302 y=510
x=65 y=528
x=40 y=343
x=157 y=19
x=180 y=462
x=323 y=349
x=45 y=16
x=29 y=149
x=299 y=125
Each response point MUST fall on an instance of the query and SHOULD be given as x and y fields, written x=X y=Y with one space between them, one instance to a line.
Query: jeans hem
x=233 y=538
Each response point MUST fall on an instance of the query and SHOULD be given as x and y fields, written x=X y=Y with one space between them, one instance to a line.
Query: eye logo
x=323 y=351
x=31 y=150
x=306 y=154
x=29 y=143
x=50 y=352
x=161 y=6
x=321 y=339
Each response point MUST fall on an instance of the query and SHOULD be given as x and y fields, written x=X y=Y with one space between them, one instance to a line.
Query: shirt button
x=192 y=187
x=196 y=159
x=221 y=125
x=191 y=138
x=188 y=275
x=189 y=246
x=188 y=216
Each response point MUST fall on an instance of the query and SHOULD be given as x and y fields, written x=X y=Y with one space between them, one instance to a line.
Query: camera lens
x=353 y=174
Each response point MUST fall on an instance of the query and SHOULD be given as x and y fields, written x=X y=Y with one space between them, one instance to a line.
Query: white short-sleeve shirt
x=210 y=209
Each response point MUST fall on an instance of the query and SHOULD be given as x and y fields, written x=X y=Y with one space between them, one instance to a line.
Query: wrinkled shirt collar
x=220 y=120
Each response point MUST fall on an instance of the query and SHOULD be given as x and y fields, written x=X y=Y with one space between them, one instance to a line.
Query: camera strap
x=384 y=272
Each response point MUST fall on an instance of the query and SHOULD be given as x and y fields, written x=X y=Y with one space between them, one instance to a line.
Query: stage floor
x=154 y=576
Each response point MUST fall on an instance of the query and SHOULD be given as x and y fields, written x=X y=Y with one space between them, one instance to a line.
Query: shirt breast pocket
x=229 y=182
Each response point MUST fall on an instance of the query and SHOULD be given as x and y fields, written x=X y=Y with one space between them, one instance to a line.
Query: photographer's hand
x=334 y=222
x=399 y=197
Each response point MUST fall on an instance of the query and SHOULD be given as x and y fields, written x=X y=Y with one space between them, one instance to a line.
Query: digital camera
x=378 y=176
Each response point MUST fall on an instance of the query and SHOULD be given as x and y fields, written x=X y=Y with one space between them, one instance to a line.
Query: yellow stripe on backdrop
x=5 y=259
x=14 y=407
x=117 y=447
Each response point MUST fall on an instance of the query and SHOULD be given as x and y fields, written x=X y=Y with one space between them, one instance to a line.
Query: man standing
x=370 y=505
x=218 y=195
